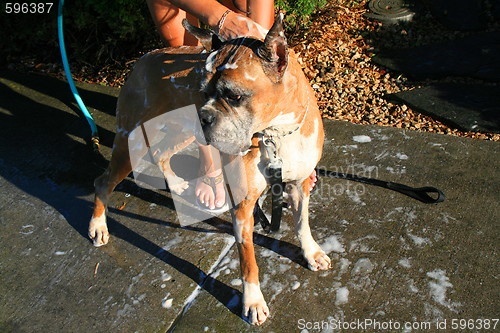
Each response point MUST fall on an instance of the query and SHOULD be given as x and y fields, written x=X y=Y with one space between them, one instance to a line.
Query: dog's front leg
x=254 y=306
x=299 y=194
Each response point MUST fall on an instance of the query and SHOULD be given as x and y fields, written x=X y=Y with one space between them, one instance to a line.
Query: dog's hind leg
x=119 y=167
x=299 y=194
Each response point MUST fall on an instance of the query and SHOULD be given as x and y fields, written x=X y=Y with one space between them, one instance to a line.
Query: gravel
x=336 y=54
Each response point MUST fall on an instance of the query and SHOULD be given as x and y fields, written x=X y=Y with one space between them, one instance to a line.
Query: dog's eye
x=233 y=97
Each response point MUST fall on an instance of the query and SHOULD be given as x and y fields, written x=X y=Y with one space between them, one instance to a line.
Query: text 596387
x=28 y=7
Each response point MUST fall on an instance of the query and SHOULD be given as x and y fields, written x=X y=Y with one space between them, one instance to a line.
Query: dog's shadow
x=228 y=296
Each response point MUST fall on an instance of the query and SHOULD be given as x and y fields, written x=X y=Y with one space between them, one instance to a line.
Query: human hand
x=234 y=25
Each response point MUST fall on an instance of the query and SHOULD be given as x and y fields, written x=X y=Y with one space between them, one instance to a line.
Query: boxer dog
x=246 y=90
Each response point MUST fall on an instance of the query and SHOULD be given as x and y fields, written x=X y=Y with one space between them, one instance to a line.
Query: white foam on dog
x=209 y=63
x=250 y=77
x=228 y=66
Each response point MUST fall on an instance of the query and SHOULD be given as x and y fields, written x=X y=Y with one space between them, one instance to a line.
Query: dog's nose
x=207 y=118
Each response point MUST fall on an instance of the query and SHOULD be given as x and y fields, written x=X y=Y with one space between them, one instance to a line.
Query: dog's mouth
x=230 y=147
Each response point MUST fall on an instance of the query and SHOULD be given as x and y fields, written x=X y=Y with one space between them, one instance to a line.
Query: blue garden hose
x=90 y=120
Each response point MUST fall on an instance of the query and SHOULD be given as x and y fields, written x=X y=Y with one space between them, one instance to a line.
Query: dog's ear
x=274 y=51
x=207 y=38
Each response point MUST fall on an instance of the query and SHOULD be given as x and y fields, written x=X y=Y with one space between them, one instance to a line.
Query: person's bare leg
x=210 y=167
x=168 y=20
x=313 y=179
x=237 y=6
x=262 y=12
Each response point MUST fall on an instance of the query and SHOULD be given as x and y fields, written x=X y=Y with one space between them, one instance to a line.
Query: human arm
x=234 y=25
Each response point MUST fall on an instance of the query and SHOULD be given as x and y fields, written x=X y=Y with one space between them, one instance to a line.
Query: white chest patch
x=285 y=119
x=299 y=154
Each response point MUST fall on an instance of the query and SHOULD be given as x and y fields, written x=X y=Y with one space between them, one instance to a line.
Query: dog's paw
x=255 y=309
x=177 y=184
x=98 y=231
x=256 y=314
x=318 y=260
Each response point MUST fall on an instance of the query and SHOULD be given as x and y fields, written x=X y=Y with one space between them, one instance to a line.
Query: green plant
x=107 y=30
x=96 y=32
x=298 y=11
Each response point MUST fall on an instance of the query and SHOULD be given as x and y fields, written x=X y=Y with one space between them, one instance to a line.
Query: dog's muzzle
x=222 y=132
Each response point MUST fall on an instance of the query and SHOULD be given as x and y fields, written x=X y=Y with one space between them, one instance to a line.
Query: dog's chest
x=299 y=155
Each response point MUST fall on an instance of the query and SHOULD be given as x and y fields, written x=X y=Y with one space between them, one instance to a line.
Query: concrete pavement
x=396 y=261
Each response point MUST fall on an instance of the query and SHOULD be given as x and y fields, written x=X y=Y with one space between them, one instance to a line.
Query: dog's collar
x=274 y=173
x=269 y=145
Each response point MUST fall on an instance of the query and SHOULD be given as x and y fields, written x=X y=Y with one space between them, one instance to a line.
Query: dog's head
x=242 y=83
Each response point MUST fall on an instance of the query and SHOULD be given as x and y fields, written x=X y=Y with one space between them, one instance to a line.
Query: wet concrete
x=394 y=258
x=468 y=107
x=470 y=102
